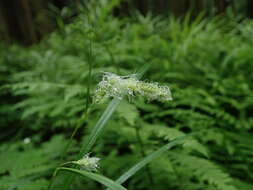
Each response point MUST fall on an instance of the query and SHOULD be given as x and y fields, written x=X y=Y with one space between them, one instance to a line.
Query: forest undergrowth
x=199 y=140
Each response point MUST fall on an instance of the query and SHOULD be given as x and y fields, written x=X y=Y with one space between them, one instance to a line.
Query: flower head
x=113 y=85
x=88 y=163
x=27 y=140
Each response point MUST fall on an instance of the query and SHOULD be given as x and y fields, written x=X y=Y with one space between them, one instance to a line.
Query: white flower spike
x=27 y=140
x=113 y=85
x=88 y=163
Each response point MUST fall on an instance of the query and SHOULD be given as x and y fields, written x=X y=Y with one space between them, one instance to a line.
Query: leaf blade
x=97 y=129
x=150 y=158
x=96 y=177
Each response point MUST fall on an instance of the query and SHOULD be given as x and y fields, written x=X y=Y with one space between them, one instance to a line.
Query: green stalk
x=90 y=63
x=98 y=128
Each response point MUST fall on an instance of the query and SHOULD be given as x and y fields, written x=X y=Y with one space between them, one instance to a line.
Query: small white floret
x=88 y=163
x=27 y=140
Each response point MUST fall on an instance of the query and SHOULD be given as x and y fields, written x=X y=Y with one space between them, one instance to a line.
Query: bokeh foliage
x=28 y=21
x=206 y=62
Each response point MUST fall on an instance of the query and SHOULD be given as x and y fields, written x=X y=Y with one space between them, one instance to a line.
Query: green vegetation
x=201 y=140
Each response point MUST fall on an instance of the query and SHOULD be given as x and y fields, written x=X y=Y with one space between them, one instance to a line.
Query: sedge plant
x=117 y=87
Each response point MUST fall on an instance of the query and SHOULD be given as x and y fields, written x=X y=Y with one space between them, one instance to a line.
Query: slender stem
x=143 y=153
x=90 y=62
x=68 y=145
x=79 y=124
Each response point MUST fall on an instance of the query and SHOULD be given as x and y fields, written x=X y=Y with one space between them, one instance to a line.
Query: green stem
x=97 y=129
x=68 y=146
x=90 y=62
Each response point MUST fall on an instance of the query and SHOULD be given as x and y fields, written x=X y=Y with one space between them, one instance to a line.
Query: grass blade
x=97 y=129
x=96 y=177
x=150 y=158
x=95 y=133
x=99 y=126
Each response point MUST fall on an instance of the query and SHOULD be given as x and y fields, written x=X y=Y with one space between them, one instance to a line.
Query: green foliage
x=207 y=64
x=24 y=163
x=205 y=172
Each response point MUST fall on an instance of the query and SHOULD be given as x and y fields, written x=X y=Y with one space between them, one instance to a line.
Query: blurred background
x=53 y=54
x=27 y=21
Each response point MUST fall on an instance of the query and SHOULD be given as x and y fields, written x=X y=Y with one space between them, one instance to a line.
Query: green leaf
x=150 y=158
x=169 y=134
x=195 y=145
x=96 y=177
x=204 y=170
x=96 y=131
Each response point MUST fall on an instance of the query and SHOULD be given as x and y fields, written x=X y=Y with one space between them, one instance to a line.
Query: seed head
x=113 y=85
x=88 y=163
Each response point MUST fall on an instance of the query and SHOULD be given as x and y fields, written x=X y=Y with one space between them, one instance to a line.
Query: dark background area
x=27 y=21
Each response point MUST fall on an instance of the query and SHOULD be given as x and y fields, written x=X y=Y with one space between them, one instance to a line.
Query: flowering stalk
x=113 y=85
x=88 y=163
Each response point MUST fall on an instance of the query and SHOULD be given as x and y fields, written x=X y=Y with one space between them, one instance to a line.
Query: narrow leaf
x=97 y=129
x=96 y=177
x=99 y=126
x=150 y=158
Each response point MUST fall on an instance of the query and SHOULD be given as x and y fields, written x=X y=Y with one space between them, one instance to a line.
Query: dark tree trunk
x=175 y=7
x=4 y=35
x=197 y=7
x=200 y=5
x=179 y=7
x=222 y=6
x=62 y=3
x=142 y=5
x=250 y=8
x=160 y=6
x=18 y=18
x=28 y=29
x=123 y=9
x=8 y=10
